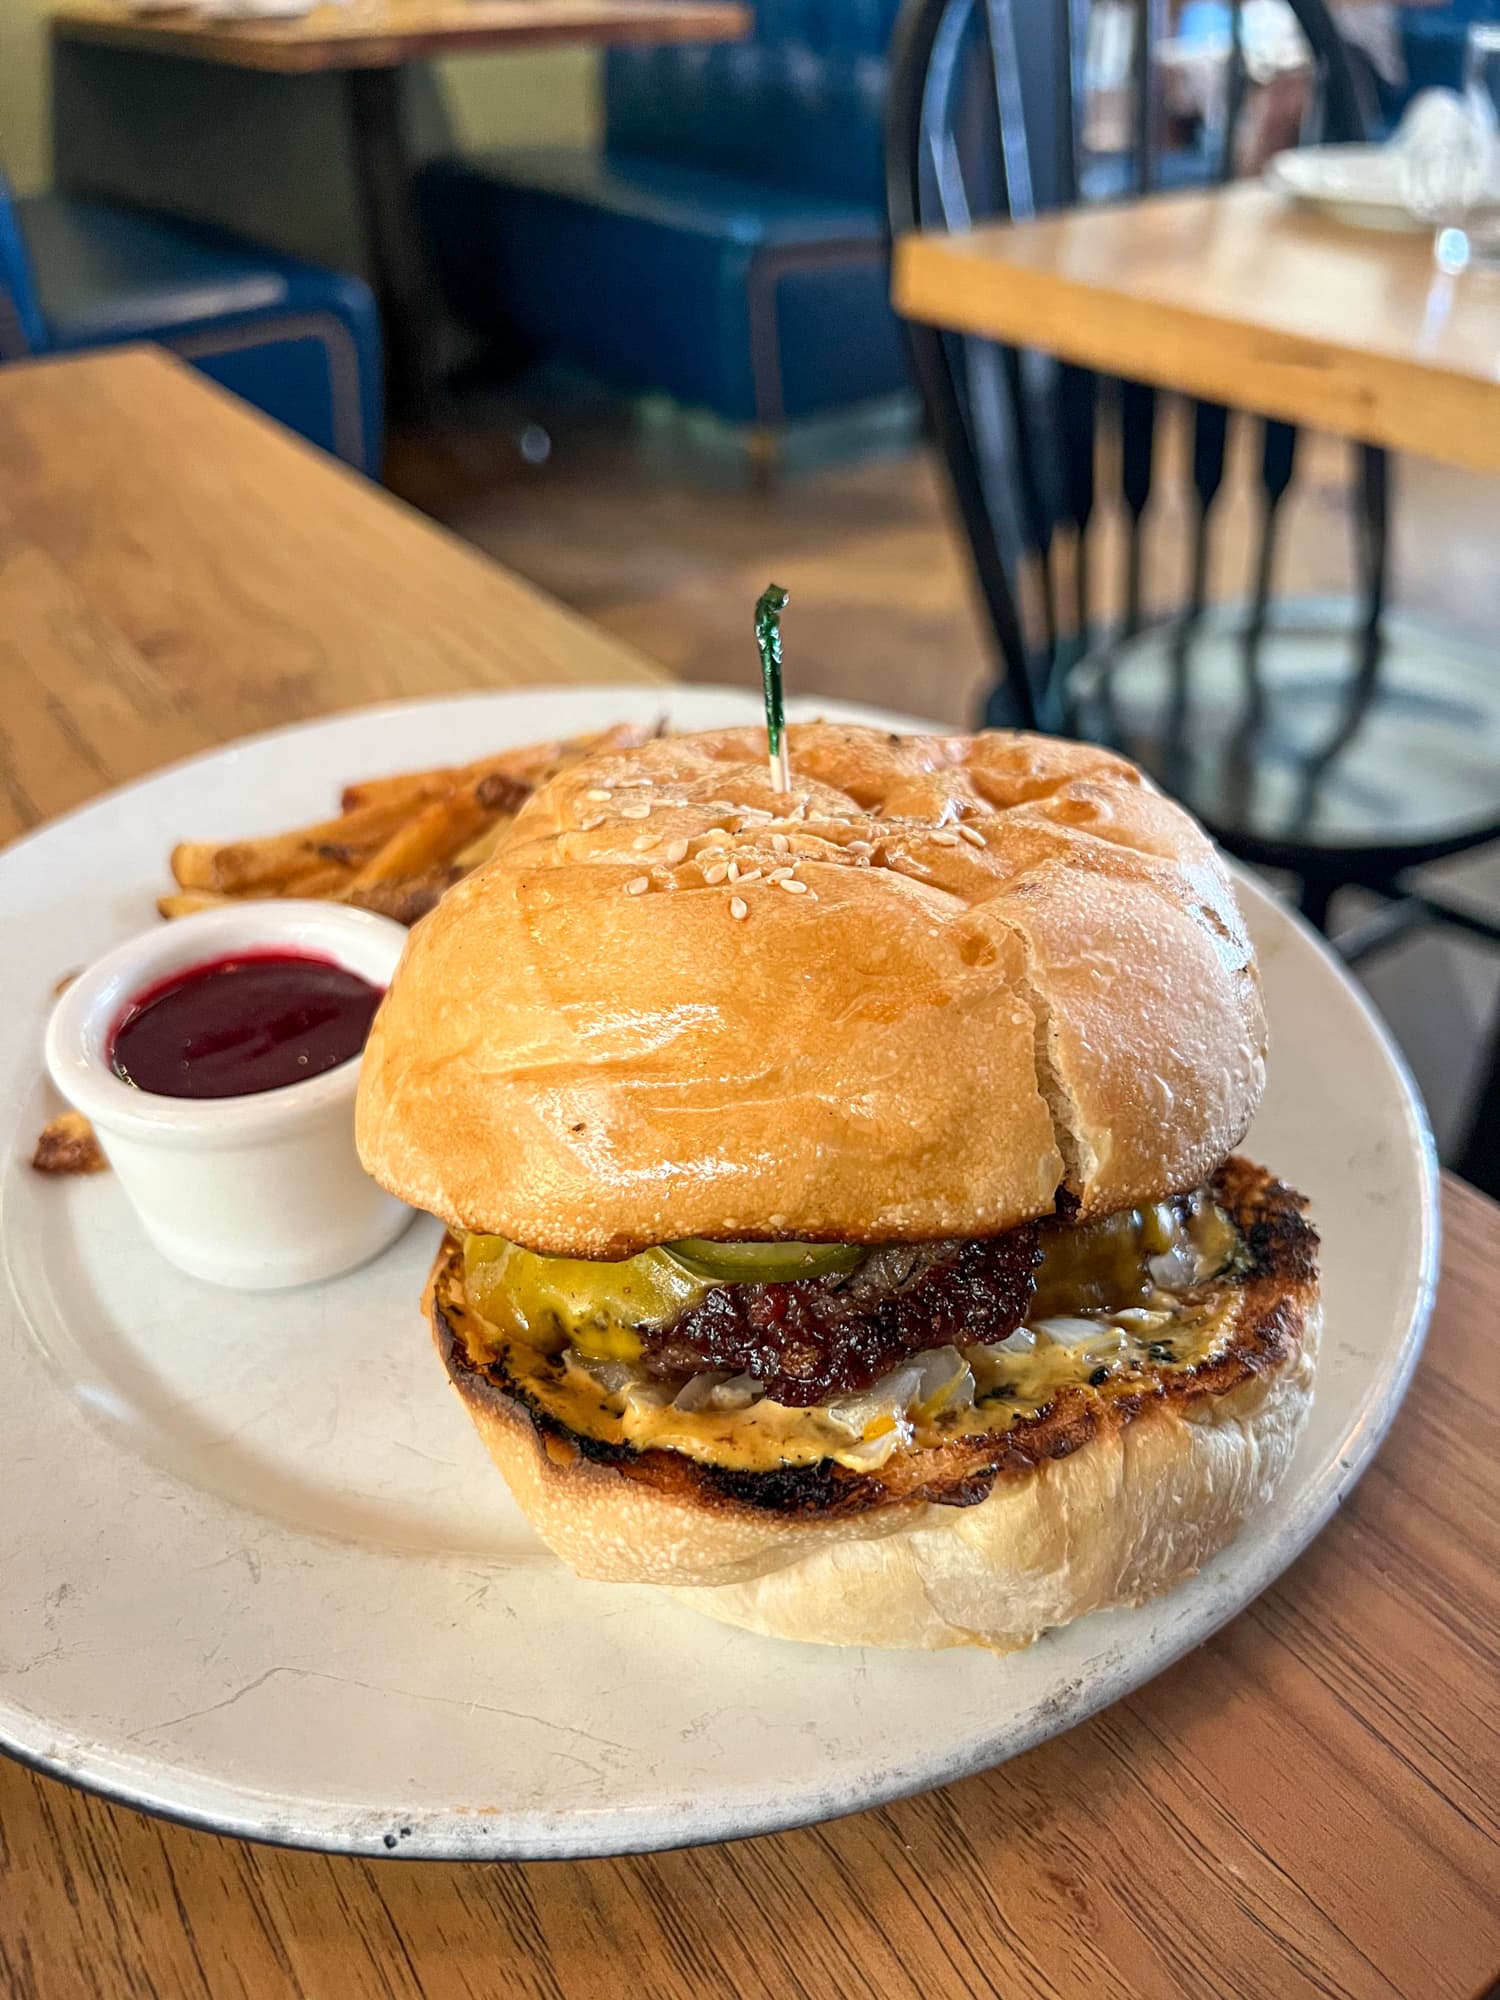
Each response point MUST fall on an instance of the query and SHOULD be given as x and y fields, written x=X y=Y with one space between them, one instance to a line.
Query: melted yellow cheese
x=1100 y=1316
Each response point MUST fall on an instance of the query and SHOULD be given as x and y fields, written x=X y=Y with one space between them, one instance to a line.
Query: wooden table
x=1306 y=1806
x=383 y=34
x=370 y=42
x=176 y=570
x=1237 y=295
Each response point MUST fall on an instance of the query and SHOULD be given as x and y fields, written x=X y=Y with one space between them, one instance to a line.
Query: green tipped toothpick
x=768 y=609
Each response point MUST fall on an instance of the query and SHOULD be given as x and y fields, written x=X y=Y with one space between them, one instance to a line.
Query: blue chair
x=727 y=245
x=1433 y=41
x=302 y=344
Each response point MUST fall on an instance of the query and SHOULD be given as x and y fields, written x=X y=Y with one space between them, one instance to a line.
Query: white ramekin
x=253 y=1192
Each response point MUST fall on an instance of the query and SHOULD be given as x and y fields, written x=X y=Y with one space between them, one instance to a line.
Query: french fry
x=482 y=848
x=536 y=761
x=320 y=883
x=189 y=902
x=243 y=865
x=398 y=842
x=406 y=788
x=407 y=898
x=418 y=788
x=427 y=841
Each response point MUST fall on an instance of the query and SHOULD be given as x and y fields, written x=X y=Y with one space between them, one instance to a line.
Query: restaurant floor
x=652 y=530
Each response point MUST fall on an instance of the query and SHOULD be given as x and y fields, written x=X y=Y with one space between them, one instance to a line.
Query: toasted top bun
x=1011 y=965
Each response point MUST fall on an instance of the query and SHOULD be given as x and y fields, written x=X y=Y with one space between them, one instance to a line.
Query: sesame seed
x=642 y=841
x=793 y=888
x=588 y=825
x=780 y=843
x=676 y=851
x=716 y=874
x=734 y=871
x=778 y=874
x=749 y=875
x=974 y=839
x=944 y=836
x=720 y=806
x=860 y=847
x=639 y=886
x=642 y=811
x=600 y=798
x=738 y=907
x=623 y=783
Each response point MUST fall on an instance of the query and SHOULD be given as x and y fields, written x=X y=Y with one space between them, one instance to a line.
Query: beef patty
x=820 y=1337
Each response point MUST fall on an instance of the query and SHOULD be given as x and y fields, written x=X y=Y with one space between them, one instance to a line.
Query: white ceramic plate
x=256 y=1570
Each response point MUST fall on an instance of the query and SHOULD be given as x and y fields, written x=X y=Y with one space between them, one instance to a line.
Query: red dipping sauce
x=244 y=1024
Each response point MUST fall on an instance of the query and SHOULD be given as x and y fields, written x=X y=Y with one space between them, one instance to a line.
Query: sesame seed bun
x=941 y=978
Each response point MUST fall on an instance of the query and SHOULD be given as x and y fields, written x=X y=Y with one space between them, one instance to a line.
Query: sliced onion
x=644 y=1396
x=891 y=1397
x=1064 y=1330
x=1178 y=1268
x=1142 y=1319
x=697 y=1390
x=1022 y=1341
x=947 y=1381
x=869 y=1454
x=613 y=1377
x=738 y=1393
x=1098 y=1338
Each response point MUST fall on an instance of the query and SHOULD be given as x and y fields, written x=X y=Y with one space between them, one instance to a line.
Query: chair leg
x=763 y=457
x=1478 y=1159
x=1313 y=898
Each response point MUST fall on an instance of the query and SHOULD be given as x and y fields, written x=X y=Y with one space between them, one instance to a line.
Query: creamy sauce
x=1145 y=1290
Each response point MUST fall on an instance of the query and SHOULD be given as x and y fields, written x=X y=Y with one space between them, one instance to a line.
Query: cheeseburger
x=844 y=1224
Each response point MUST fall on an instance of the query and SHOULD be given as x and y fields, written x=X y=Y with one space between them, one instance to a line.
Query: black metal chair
x=1340 y=742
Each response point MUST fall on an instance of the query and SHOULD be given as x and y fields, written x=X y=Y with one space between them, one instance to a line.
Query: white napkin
x=252 y=10
x=1447 y=152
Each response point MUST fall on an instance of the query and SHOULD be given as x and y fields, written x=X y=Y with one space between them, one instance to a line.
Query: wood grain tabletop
x=1238 y=295
x=1305 y=1806
x=177 y=570
x=382 y=34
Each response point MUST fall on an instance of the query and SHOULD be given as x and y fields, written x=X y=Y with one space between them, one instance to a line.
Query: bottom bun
x=1124 y=1518
x=988 y=1541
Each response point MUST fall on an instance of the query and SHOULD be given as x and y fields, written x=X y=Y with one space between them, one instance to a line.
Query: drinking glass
x=1446 y=141
x=1481 y=224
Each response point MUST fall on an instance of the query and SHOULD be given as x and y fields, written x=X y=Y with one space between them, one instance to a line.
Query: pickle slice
x=552 y=1302
x=763 y=1263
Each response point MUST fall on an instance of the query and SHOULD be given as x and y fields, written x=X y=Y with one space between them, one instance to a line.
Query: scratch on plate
x=569 y=1730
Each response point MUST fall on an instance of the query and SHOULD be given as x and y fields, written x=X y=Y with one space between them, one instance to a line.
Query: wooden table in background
x=382 y=34
x=1237 y=295
x=1306 y=1806
x=176 y=570
x=370 y=43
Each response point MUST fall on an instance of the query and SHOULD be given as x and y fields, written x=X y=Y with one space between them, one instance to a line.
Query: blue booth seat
x=726 y=246
x=299 y=342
